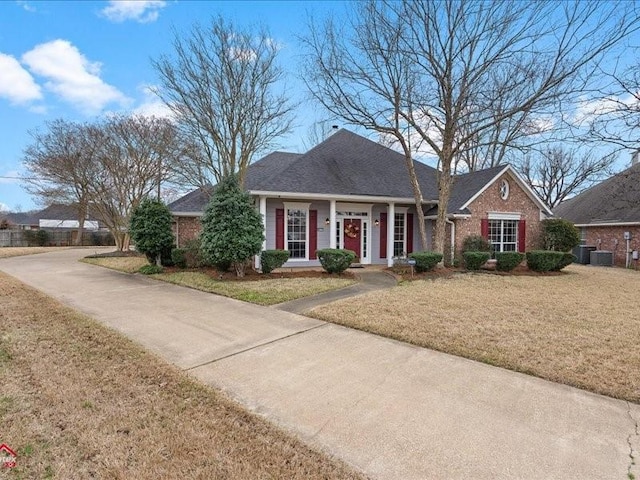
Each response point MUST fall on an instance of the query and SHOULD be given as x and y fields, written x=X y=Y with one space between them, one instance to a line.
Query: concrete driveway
x=391 y=410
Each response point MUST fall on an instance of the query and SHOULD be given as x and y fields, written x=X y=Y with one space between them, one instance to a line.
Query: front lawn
x=259 y=289
x=581 y=328
x=80 y=401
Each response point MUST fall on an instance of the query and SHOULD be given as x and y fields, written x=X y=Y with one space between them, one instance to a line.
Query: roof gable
x=615 y=200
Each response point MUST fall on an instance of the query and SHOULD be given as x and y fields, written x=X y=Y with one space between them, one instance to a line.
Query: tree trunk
x=239 y=267
x=417 y=193
x=82 y=214
x=444 y=192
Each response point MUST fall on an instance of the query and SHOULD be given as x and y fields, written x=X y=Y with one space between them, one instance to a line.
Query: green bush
x=179 y=257
x=475 y=260
x=335 y=260
x=193 y=254
x=566 y=260
x=425 y=261
x=559 y=235
x=150 y=230
x=36 y=238
x=150 y=269
x=232 y=230
x=544 y=260
x=475 y=243
x=507 y=261
x=272 y=259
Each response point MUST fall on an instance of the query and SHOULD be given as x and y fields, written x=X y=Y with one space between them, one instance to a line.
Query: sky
x=78 y=60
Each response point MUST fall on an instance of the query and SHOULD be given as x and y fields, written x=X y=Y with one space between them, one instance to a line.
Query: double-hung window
x=503 y=235
x=399 y=235
x=297 y=231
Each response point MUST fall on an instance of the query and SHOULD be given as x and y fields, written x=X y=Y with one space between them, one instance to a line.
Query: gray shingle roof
x=615 y=200
x=347 y=164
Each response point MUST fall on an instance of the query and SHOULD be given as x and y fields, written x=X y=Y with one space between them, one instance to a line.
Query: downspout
x=453 y=238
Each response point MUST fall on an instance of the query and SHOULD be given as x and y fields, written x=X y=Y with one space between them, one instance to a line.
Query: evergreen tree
x=232 y=230
x=150 y=229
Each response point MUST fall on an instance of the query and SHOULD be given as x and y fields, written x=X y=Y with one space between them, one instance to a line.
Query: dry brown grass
x=261 y=292
x=127 y=264
x=6 y=252
x=581 y=328
x=80 y=401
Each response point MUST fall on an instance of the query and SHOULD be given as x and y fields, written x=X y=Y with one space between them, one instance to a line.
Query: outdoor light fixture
x=376 y=222
x=327 y=221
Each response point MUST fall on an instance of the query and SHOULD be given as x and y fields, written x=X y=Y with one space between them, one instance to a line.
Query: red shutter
x=522 y=236
x=409 y=233
x=383 y=235
x=484 y=228
x=280 y=228
x=313 y=234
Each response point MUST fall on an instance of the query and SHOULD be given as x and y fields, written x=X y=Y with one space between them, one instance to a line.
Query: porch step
x=356 y=265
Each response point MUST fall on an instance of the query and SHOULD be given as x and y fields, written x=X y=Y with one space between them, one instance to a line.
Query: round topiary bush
x=507 y=261
x=559 y=234
x=544 y=260
x=272 y=259
x=426 y=261
x=335 y=260
x=475 y=260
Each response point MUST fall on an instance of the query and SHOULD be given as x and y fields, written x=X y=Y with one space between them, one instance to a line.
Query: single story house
x=608 y=214
x=350 y=192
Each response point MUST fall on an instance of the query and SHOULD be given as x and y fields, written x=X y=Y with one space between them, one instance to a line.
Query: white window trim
x=504 y=183
x=400 y=211
x=296 y=206
x=502 y=243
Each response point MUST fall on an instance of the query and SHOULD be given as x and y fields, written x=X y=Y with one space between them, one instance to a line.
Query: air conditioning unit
x=601 y=258
x=583 y=253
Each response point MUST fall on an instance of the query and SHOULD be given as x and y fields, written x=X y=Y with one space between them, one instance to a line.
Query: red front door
x=352 y=235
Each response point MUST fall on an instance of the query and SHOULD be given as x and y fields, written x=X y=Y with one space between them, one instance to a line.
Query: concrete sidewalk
x=392 y=410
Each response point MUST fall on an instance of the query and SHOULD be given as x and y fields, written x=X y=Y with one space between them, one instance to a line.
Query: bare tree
x=134 y=156
x=451 y=71
x=221 y=85
x=317 y=133
x=61 y=161
x=557 y=173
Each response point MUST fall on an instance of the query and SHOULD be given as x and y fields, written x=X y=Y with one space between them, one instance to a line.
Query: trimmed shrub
x=566 y=260
x=507 y=261
x=272 y=259
x=425 y=261
x=475 y=243
x=231 y=227
x=335 y=260
x=475 y=260
x=559 y=235
x=193 y=254
x=150 y=230
x=179 y=257
x=544 y=260
x=150 y=269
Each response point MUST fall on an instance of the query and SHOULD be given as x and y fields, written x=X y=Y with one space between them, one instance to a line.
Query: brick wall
x=604 y=238
x=185 y=229
x=490 y=201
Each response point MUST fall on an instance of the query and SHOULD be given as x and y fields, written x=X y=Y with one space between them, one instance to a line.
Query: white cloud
x=589 y=109
x=16 y=84
x=4 y=207
x=27 y=6
x=151 y=105
x=141 y=11
x=73 y=77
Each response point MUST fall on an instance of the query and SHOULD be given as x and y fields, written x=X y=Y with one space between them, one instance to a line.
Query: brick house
x=350 y=192
x=606 y=211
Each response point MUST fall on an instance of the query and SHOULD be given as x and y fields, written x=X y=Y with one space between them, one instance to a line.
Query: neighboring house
x=350 y=192
x=606 y=212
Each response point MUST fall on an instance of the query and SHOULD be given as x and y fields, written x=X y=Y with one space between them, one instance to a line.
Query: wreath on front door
x=351 y=230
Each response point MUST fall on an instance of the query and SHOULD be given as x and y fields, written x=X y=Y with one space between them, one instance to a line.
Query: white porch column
x=262 y=207
x=391 y=225
x=333 y=233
